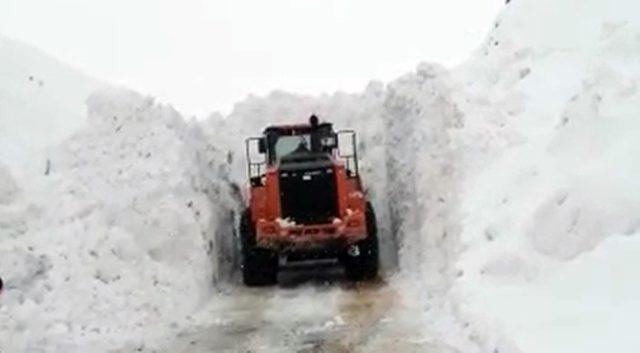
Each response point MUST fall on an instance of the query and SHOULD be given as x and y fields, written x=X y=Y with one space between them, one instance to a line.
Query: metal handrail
x=251 y=164
x=354 y=154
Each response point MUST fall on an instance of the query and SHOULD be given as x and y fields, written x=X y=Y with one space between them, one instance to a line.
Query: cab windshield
x=288 y=145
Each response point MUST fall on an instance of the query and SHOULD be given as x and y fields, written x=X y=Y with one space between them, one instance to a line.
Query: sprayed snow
x=285 y=222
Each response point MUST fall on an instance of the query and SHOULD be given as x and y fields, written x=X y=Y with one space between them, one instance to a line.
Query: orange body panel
x=274 y=232
x=264 y=200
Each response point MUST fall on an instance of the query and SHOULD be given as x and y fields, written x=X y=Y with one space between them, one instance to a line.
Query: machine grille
x=308 y=196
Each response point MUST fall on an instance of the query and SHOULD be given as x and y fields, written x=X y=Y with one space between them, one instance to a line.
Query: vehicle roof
x=287 y=129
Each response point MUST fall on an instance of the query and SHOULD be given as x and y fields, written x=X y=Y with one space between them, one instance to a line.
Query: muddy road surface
x=312 y=311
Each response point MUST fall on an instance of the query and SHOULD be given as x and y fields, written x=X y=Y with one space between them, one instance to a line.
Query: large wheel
x=259 y=266
x=363 y=264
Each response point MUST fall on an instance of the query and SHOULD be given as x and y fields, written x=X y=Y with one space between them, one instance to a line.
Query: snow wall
x=549 y=197
x=116 y=241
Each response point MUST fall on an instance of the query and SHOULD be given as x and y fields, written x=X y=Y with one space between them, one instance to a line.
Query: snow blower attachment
x=306 y=202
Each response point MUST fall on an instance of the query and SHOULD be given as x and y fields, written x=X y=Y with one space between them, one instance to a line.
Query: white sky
x=206 y=55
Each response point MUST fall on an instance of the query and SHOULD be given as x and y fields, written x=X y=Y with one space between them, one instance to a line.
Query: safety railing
x=255 y=169
x=350 y=157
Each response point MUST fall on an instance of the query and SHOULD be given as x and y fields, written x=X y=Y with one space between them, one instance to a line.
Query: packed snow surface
x=506 y=192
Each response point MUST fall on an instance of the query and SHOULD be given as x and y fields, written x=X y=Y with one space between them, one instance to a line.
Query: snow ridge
x=124 y=224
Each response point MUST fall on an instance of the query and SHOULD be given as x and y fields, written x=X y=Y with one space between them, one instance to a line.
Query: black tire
x=259 y=266
x=365 y=265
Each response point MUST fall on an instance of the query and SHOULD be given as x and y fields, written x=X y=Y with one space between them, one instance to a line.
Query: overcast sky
x=206 y=55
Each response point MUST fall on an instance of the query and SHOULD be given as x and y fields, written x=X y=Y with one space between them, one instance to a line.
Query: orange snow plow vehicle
x=305 y=202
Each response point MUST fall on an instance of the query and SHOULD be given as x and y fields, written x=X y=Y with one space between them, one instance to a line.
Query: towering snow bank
x=41 y=102
x=552 y=150
x=423 y=172
x=117 y=244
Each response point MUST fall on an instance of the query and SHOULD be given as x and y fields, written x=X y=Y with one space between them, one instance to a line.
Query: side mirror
x=262 y=145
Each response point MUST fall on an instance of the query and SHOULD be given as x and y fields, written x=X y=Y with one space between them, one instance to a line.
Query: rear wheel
x=259 y=266
x=361 y=263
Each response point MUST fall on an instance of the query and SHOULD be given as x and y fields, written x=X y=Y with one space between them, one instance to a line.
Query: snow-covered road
x=317 y=318
x=321 y=315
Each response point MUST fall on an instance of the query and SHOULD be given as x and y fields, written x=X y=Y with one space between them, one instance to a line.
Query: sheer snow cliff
x=550 y=206
x=117 y=242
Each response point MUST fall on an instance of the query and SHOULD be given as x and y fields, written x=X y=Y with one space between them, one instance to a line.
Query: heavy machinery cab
x=302 y=146
x=306 y=200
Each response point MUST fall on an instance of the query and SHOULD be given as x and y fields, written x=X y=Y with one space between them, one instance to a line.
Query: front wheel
x=361 y=260
x=259 y=266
